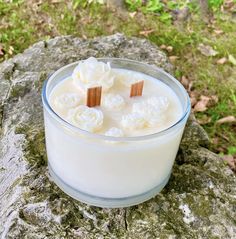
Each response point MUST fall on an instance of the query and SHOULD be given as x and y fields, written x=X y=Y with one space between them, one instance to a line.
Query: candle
x=121 y=151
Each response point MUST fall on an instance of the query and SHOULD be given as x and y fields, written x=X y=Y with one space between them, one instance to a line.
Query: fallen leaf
x=169 y=48
x=218 y=32
x=207 y=50
x=146 y=33
x=215 y=140
x=173 y=58
x=84 y=37
x=193 y=98
x=228 y=4
x=214 y=99
x=201 y=105
x=132 y=14
x=227 y=119
x=163 y=47
x=222 y=61
x=230 y=161
x=223 y=136
x=56 y=1
x=11 y=50
x=232 y=60
x=185 y=81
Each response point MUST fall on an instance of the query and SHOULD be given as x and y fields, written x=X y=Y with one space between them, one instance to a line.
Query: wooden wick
x=136 y=89
x=94 y=95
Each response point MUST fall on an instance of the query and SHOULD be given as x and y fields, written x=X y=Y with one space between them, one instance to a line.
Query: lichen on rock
x=198 y=202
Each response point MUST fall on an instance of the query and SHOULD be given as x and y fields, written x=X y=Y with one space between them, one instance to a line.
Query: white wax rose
x=115 y=132
x=67 y=100
x=128 y=78
x=152 y=110
x=92 y=73
x=159 y=102
x=113 y=101
x=133 y=121
x=86 y=118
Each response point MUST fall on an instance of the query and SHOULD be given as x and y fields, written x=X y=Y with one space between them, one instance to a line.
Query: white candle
x=125 y=151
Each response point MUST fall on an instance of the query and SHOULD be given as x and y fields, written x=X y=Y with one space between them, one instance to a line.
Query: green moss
x=35 y=152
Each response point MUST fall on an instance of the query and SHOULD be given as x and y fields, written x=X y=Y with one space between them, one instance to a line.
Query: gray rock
x=198 y=202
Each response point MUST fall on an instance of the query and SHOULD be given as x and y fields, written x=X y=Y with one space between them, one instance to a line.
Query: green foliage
x=154 y=6
x=215 y=4
x=86 y=3
x=79 y=3
x=133 y=5
x=232 y=150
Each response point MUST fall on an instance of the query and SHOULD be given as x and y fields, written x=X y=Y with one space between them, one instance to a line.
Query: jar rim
x=75 y=129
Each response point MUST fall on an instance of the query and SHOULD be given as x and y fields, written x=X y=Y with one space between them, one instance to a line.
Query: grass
x=24 y=22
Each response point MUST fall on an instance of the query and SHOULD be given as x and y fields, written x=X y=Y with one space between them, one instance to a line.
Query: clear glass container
x=108 y=171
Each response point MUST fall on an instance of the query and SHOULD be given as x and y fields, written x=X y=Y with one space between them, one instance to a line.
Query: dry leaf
x=215 y=140
x=56 y=1
x=163 y=47
x=185 y=81
x=146 y=33
x=207 y=50
x=227 y=119
x=169 y=48
x=84 y=37
x=228 y=4
x=11 y=50
x=193 y=98
x=214 y=99
x=193 y=101
x=173 y=58
x=222 y=61
x=202 y=104
x=132 y=14
x=230 y=161
x=232 y=60
x=218 y=32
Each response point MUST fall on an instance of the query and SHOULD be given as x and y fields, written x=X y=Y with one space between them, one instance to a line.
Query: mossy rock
x=198 y=202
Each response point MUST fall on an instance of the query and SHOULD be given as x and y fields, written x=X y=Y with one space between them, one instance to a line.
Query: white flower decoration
x=159 y=102
x=86 y=118
x=67 y=100
x=92 y=73
x=133 y=121
x=115 y=132
x=127 y=78
x=152 y=110
x=113 y=101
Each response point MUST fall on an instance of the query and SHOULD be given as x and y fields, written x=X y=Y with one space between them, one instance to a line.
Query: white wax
x=110 y=169
x=113 y=115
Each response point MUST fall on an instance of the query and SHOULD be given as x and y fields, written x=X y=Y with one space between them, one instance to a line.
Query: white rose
x=113 y=101
x=86 y=118
x=152 y=110
x=127 y=78
x=159 y=102
x=67 y=100
x=92 y=73
x=115 y=132
x=133 y=121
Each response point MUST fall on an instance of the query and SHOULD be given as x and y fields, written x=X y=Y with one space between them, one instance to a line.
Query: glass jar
x=108 y=171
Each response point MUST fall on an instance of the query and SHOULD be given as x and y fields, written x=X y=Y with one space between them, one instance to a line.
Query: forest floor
x=201 y=47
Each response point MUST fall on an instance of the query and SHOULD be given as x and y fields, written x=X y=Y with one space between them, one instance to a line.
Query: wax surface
x=116 y=104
